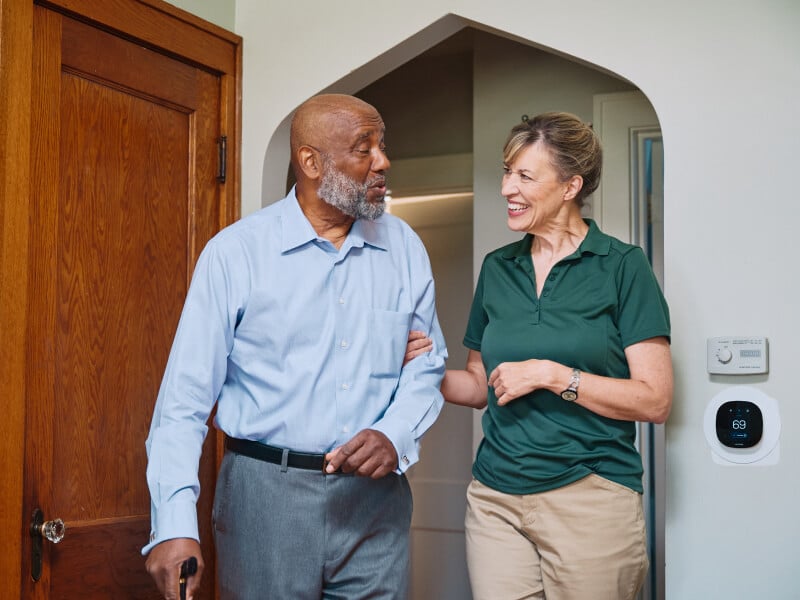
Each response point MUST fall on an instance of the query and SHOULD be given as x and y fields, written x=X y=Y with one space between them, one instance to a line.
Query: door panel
x=123 y=176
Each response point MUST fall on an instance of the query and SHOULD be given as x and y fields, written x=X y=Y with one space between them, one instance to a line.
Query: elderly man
x=295 y=326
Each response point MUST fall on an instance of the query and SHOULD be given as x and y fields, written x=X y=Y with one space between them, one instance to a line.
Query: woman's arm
x=467 y=387
x=646 y=396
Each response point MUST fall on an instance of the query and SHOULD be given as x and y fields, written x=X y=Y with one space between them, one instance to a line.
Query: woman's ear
x=310 y=162
x=574 y=185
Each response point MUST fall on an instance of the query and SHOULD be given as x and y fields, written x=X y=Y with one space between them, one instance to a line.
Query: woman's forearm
x=466 y=387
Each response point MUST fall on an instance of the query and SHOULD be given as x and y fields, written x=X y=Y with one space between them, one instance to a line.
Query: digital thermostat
x=737 y=355
x=743 y=426
x=739 y=424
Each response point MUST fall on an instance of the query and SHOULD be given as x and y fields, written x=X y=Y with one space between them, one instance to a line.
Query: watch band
x=571 y=393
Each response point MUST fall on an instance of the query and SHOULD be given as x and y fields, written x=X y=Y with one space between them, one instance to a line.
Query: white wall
x=723 y=77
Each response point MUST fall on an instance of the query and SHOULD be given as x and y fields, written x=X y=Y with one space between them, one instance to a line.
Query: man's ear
x=310 y=162
x=574 y=185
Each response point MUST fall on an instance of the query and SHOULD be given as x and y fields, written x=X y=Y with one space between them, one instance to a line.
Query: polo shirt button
x=546 y=294
x=552 y=277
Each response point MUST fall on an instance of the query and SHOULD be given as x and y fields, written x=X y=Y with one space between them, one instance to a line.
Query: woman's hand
x=512 y=380
x=418 y=344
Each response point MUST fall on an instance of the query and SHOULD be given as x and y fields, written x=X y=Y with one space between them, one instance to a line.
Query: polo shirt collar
x=595 y=242
x=296 y=230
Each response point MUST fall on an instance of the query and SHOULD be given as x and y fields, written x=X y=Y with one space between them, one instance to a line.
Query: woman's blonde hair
x=573 y=146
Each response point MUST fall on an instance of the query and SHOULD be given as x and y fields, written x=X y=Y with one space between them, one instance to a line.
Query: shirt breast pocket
x=388 y=337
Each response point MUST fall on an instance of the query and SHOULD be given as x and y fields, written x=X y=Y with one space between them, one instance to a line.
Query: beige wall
x=219 y=12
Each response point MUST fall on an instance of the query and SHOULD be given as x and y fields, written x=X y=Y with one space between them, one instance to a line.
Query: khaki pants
x=584 y=541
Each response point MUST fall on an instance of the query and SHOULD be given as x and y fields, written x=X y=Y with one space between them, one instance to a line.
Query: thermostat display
x=740 y=424
x=737 y=355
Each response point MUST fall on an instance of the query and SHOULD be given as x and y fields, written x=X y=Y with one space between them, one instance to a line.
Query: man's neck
x=329 y=222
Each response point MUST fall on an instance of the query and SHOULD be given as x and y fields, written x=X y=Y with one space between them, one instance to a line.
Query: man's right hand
x=164 y=565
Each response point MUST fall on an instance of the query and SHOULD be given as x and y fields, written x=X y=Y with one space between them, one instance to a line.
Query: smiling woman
x=568 y=342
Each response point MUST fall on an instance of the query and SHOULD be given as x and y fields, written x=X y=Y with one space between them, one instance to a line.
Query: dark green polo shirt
x=595 y=302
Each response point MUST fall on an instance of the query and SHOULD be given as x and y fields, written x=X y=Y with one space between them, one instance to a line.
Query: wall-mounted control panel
x=737 y=355
x=743 y=427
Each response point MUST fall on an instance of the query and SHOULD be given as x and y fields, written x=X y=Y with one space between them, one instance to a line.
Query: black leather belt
x=271 y=454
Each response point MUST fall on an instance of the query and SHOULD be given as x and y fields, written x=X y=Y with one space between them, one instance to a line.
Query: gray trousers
x=294 y=534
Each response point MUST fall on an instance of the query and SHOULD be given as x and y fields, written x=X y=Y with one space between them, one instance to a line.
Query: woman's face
x=534 y=192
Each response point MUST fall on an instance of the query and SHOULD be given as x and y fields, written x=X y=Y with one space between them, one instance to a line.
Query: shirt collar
x=296 y=230
x=595 y=242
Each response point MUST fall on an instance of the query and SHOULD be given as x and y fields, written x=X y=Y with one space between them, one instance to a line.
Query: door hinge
x=222 y=147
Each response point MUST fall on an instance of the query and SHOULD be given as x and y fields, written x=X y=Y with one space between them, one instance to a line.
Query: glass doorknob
x=53 y=530
x=50 y=530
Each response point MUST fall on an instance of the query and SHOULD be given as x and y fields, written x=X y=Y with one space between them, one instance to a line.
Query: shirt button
x=341 y=300
x=552 y=277
x=344 y=344
x=345 y=386
x=345 y=429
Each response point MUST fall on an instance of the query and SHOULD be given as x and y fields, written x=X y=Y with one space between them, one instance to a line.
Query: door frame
x=220 y=52
x=623 y=120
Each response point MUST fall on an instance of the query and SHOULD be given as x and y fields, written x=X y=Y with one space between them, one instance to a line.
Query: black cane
x=188 y=568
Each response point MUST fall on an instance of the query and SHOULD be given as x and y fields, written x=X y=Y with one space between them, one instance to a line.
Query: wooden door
x=124 y=193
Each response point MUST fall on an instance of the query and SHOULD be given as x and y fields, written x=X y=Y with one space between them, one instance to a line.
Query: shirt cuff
x=173 y=520
x=403 y=442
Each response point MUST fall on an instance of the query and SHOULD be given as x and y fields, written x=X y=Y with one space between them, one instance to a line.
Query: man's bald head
x=317 y=118
x=321 y=117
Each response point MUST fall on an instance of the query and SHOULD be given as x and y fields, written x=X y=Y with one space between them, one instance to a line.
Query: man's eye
x=506 y=171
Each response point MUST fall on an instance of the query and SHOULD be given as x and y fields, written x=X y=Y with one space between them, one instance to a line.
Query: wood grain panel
x=164 y=78
x=183 y=36
x=118 y=543
x=122 y=277
x=15 y=159
x=41 y=356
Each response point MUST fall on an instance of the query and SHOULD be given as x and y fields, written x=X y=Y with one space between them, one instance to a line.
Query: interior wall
x=219 y=12
x=723 y=79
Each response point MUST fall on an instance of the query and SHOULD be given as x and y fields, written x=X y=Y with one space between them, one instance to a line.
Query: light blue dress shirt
x=300 y=345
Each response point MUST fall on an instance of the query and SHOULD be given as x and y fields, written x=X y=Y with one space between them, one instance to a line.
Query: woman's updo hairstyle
x=573 y=145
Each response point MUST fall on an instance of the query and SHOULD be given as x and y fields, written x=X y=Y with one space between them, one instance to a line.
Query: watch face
x=569 y=395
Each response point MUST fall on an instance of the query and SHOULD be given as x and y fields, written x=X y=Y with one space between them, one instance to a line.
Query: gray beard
x=346 y=194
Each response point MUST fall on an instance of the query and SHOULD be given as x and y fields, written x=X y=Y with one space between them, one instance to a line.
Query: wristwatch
x=571 y=393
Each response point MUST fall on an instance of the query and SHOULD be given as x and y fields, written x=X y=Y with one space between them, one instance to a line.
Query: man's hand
x=417 y=345
x=369 y=454
x=164 y=565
